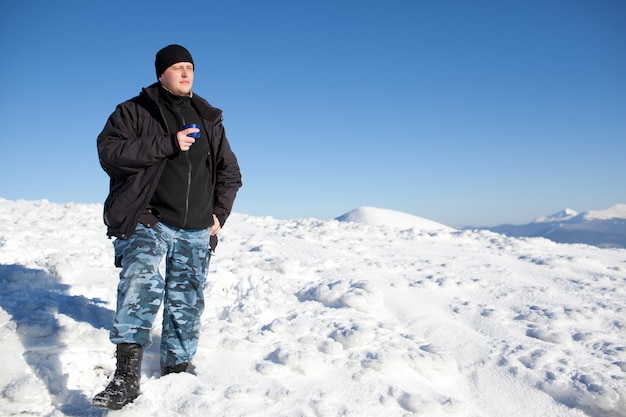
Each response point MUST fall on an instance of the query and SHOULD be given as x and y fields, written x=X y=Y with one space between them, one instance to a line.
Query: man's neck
x=177 y=95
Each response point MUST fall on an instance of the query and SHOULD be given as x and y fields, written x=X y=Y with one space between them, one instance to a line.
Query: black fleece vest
x=184 y=196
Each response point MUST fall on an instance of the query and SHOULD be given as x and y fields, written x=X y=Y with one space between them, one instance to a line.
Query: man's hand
x=216 y=226
x=184 y=141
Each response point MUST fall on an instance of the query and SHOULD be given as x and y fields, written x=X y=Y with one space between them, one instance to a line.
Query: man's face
x=178 y=78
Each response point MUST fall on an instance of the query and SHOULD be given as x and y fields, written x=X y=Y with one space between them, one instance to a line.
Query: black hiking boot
x=124 y=387
x=176 y=369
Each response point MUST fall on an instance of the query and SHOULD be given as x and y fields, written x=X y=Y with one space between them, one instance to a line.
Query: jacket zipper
x=188 y=191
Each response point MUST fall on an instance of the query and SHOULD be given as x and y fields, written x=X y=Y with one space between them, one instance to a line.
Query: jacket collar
x=202 y=106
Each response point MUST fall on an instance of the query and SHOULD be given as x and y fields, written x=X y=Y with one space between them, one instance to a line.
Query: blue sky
x=466 y=112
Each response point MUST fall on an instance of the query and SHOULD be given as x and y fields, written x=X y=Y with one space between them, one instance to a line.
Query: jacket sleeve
x=228 y=176
x=131 y=141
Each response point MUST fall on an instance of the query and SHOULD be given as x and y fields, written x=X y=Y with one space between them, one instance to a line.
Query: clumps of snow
x=312 y=318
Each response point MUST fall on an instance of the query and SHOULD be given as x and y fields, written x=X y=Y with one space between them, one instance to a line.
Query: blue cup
x=195 y=135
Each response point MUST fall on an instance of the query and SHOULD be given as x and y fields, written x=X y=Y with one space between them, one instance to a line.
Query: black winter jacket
x=133 y=149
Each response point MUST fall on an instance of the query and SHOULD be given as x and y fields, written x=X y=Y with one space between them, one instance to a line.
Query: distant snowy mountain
x=602 y=228
x=559 y=216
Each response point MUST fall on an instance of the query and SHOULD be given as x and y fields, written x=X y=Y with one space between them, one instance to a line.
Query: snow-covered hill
x=391 y=218
x=602 y=228
x=382 y=315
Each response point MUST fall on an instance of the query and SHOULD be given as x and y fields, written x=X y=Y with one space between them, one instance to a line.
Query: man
x=170 y=194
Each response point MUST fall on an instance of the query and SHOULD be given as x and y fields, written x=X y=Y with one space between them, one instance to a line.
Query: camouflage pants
x=142 y=289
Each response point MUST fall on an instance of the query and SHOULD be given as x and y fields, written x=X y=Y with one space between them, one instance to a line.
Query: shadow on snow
x=34 y=298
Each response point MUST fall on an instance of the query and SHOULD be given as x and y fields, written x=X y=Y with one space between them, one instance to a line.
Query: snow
x=602 y=228
x=616 y=211
x=562 y=215
x=391 y=218
x=384 y=314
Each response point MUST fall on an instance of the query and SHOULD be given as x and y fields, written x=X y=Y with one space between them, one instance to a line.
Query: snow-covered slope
x=602 y=228
x=311 y=318
x=391 y=218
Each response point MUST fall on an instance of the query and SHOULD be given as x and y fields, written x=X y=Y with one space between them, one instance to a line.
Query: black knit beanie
x=170 y=55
